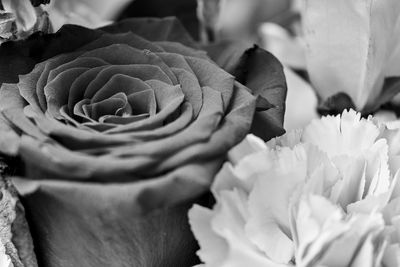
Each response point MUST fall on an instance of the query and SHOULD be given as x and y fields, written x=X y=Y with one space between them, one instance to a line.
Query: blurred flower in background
x=88 y=13
x=239 y=20
x=21 y=18
x=351 y=47
x=350 y=52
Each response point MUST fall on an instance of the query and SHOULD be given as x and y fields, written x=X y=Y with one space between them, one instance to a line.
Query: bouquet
x=156 y=140
x=118 y=131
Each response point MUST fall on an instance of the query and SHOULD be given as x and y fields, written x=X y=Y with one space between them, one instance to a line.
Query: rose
x=120 y=134
x=309 y=198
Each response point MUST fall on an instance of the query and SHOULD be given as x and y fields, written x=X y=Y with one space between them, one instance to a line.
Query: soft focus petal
x=301 y=102
x=88 y=13
x=289 y=50
x=347 y=44
x=24 y=12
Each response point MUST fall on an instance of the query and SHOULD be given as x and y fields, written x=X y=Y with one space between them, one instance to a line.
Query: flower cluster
x=119 y=130
x=324 y=196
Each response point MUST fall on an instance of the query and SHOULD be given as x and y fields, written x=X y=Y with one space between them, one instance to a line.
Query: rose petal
x=102 y=210
x=86 y=62
x=191 y=89
x=57 y=90
x=123 y=120
x=210 y=75
x=12 y=108
x=180 y=49
x=143 y=102
x=127 y=38
x=263 y=74
x=120 y=83
x=143 y=72
x=108 y=106
x=175 y=61
x=116 y=54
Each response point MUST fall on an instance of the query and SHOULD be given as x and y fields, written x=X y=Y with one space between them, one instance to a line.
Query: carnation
x=326 y=195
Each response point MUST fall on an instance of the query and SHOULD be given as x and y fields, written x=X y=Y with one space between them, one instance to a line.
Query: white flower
x=87 y=13
x=5 y=260
x=20 y=19
x=317 y=197
x=351 y=46
x=24 y=12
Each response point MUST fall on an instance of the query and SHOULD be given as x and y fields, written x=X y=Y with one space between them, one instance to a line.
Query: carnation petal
x=213 y=248
x=345 y=134
x=251 y=144
x=351 y=186
x=270 y=198
x=227 y=180
x=232 y=211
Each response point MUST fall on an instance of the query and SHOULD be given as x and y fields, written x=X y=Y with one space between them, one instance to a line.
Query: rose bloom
x=323 y=196
x=119 y=130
